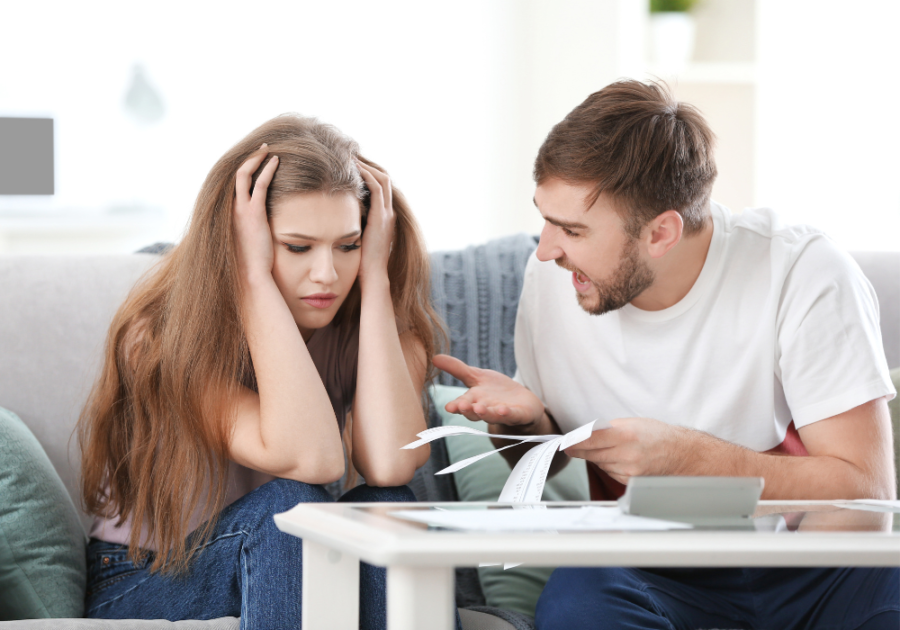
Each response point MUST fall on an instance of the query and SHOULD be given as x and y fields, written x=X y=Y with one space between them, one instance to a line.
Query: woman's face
x=316 y=238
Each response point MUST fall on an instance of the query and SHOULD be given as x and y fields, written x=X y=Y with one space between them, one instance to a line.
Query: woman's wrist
x=374 y=282
x=255 y=278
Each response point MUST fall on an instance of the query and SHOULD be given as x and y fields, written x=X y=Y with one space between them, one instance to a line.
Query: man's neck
x=677 y=271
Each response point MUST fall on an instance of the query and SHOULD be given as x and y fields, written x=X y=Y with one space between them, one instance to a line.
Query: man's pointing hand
x=492 y=396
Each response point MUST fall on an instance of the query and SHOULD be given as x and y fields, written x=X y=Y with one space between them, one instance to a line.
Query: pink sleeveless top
x=334 y=350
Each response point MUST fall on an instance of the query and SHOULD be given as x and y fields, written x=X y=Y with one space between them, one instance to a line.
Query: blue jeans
x=247 y=569
x=820 y=599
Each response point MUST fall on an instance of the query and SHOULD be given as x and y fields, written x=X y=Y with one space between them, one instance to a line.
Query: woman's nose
x=323 y=271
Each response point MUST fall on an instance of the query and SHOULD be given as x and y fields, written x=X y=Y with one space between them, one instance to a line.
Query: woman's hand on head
x=379 y=232
x=254 y=238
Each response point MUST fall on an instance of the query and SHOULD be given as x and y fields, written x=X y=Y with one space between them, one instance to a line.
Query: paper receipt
x=526 y=481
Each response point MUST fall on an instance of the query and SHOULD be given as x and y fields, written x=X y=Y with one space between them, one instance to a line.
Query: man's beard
x=630 y=278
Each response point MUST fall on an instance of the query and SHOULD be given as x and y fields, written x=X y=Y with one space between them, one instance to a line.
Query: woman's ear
x=664 y=233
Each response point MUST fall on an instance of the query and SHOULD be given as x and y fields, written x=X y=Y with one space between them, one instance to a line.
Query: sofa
x=54 y=314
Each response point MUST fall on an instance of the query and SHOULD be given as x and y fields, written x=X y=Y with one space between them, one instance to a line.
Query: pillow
x=42 y=545
x=517 y=588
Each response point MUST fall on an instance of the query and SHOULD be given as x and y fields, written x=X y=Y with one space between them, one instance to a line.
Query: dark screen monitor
x=26 y=156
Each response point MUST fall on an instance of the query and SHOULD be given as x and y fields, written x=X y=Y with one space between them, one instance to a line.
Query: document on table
x=526 y=481
x=871 y=505
x=562 y=519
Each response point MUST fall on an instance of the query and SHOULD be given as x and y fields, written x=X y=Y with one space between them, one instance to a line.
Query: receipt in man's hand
x=526 y=481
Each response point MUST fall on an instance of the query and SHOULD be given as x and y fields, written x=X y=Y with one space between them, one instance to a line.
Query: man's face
x=607 y=268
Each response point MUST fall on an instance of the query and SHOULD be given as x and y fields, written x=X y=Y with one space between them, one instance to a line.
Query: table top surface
x=782 y=533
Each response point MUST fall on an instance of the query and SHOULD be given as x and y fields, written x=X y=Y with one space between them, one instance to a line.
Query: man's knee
x=586 y=597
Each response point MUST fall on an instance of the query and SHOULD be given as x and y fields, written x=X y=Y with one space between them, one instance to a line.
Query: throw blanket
x=476 y=290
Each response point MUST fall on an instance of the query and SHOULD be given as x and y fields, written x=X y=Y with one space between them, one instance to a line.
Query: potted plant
x=671 y=33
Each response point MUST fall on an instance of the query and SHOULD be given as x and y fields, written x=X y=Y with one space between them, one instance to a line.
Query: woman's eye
x=349 y=248
x=297 y=249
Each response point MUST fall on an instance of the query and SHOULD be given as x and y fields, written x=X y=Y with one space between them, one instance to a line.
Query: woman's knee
x=283 y=494
x=373 y=494
x=280 y=495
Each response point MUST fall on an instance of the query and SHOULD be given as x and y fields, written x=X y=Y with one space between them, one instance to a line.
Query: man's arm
x=850 y=455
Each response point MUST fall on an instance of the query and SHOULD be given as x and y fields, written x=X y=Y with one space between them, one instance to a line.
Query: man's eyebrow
x=316 y=240
x=569 y=225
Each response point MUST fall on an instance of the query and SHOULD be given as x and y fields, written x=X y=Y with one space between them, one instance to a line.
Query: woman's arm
x=289 y=429
x=387 y=408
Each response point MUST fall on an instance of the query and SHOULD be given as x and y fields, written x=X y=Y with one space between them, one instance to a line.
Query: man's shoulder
x=761 y=235
x=761 y=225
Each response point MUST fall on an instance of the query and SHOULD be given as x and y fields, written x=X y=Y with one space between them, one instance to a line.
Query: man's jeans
x=761 y=599
x=248 y=569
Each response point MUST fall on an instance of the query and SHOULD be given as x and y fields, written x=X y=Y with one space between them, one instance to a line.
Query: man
x=715 y=344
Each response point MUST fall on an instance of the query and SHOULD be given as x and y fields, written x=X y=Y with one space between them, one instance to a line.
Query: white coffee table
x=420 y=561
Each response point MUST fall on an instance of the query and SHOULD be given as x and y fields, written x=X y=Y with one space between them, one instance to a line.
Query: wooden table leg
x=420 y=597
x=330 y=588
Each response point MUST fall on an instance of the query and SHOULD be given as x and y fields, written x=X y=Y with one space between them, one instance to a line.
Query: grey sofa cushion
x=471 y=620
x=222 y=623
x=54 y=315
x=477 y=620
x=516 y=620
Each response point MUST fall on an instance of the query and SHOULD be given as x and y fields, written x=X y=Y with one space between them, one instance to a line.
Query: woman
x=299 y=294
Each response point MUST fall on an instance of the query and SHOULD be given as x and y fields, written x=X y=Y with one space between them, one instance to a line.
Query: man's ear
x=663 y=233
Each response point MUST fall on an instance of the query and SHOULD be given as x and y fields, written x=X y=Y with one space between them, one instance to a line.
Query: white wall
x=453 y=98
x=441 y=94
x=829 y=119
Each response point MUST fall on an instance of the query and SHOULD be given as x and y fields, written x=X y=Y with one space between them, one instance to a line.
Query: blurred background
x=123 y=107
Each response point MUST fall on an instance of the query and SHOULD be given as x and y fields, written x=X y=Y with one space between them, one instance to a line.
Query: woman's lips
x=320 y=300
x=581 y=287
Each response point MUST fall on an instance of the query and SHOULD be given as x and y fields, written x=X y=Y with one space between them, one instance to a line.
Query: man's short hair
x=635 y=142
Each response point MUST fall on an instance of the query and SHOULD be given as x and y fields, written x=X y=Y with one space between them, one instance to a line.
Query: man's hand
x=507 y=406
x=637 y=447
x=492 y=396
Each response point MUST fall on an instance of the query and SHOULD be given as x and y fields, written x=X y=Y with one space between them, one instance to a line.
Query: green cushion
x=895 y=421
x=518 y=588
x=42 y=544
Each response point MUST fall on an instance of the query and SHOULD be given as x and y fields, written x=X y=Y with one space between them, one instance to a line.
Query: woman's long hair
x=154 y=432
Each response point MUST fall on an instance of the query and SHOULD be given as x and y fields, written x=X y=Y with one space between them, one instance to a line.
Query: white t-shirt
x=780 y=325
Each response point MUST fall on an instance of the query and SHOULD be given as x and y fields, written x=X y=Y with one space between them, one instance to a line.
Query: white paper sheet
x=526 y=481
x=563 y=519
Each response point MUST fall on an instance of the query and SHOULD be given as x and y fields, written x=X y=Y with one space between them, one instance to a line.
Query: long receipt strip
x=527 y=479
